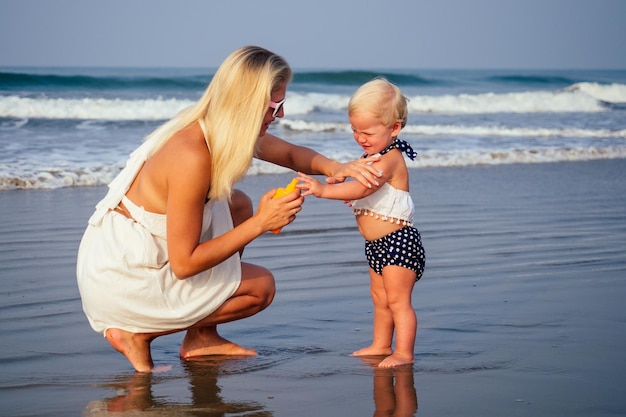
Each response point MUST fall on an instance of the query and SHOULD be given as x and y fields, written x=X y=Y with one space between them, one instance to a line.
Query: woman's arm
x=299 y=158
x=188 y=184
x=346 y=191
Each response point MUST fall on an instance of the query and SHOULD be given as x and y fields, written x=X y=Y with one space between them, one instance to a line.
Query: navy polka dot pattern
x=400 y=144
x=403 y=146
x=402 y=248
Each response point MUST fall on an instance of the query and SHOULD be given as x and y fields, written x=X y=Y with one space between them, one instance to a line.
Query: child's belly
x=372 y=228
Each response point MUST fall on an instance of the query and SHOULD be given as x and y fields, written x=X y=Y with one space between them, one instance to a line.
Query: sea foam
x=580 y=97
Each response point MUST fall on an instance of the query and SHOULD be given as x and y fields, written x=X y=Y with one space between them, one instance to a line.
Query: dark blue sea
x=73 y=127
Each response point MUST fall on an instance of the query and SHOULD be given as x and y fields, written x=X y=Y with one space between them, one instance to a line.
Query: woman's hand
x=361 y=170
x=273 y=213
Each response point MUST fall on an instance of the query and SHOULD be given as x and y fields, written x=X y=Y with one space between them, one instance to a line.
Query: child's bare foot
x=206 y=341
x=372 y=351
x=136 y=348
x=395 y=360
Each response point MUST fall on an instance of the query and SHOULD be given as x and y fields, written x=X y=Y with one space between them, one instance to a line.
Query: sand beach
x=521 y=308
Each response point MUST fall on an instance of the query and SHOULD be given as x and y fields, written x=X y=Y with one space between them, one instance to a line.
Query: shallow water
x=521 y=308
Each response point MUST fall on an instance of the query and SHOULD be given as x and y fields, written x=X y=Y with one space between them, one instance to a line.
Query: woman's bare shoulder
x=182 y=164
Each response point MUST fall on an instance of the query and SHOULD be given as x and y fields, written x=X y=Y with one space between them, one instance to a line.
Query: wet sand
x=520 y=308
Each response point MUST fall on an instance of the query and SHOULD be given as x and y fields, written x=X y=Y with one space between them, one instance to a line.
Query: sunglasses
x=277 y=106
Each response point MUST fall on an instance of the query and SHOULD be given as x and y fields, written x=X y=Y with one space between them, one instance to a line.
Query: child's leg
x=383 y=320
x=398 y=284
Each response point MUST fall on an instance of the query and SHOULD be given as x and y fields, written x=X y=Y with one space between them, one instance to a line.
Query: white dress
x=123 y=272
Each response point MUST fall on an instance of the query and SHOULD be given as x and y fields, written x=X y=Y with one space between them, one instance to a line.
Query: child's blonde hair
x=232 y=107
x=382 y=99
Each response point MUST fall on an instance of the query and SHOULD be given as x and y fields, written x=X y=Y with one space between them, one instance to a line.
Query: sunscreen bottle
x=281 y=192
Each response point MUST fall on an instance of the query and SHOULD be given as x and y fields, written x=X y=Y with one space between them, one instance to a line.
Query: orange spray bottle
x=281 y=192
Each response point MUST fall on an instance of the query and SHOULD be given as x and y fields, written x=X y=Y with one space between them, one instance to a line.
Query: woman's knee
x=268 y=295
x=241 y=207
x=259 y=283
x=268 y=289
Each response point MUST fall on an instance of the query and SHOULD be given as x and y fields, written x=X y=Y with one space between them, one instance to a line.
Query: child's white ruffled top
x=388 y=204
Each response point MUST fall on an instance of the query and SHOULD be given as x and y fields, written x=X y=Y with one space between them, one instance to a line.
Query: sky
x=324 y=34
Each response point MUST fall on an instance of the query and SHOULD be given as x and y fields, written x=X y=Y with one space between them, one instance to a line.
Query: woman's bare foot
x=372 y=351
x=135 y=346
x=205 y=341
x=395 y=360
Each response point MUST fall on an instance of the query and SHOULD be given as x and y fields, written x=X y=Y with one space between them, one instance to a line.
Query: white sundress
x=123 y=273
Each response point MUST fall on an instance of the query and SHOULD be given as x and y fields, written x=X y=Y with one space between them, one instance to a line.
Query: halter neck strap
x=402 y=145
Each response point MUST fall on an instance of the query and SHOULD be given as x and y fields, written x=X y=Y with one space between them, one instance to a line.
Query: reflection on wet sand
x=159 y=394
x=205 y=392
x=135 y=393
x=397 y=400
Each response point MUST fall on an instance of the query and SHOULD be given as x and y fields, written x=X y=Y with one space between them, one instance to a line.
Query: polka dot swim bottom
x=402 y=248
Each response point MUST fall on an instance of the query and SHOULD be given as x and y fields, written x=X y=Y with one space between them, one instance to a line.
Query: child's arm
x=351 y=190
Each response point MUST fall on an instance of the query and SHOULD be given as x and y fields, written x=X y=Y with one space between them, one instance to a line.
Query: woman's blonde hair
x=232 y=108
x=382 y=99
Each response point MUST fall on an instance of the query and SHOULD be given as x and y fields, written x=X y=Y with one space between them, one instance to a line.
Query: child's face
x=371 y=134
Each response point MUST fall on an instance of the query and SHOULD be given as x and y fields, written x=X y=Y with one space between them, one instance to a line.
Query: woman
x=161 y=254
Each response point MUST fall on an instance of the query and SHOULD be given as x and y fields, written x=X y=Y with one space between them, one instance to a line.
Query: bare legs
x=135 y=346
x=240 y=209
x=255 y=293
x=391 y=295
x=383 y=320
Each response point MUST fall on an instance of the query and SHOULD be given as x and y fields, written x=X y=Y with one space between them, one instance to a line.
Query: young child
x=384 y=215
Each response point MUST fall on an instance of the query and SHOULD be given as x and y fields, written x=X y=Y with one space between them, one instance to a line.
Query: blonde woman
x=161 y=253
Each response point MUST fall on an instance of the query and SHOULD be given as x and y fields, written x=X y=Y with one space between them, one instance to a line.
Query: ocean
x=74 y=127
